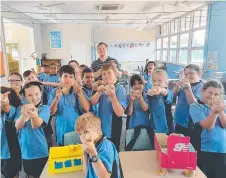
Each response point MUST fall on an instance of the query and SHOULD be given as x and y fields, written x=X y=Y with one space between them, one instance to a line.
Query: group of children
x=94 y=109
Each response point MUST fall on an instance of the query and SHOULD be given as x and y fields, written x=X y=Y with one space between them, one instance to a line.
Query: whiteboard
x=131 y=51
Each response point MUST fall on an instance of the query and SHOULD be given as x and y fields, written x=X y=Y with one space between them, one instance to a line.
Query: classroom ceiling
x=102 y=14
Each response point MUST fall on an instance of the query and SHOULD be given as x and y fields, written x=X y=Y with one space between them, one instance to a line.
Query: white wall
x=123 y=35
x=72 y=34
x=24 y=36
x=38 y=39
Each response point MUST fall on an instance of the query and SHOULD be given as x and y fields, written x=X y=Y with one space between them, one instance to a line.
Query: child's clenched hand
x=110 y=90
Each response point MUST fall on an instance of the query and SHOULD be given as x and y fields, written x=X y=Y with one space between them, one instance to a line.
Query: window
x=158 y=55
x=197 y=57
x=204 y=14
x=176 y=25
x=165 y=42
x=196 y=19
x=188 y=20
x=172 y=27
x=164 y=55
x=173 y=41
x=198 y=38
x=159 y=43
x=182 y=24
x=184 y=40
x=173 y=56
x=183 y=56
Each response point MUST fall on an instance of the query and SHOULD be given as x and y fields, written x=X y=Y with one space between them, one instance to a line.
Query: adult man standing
x=102 y=50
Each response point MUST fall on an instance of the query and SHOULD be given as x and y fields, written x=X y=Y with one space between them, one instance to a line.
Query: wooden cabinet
x=50 y=61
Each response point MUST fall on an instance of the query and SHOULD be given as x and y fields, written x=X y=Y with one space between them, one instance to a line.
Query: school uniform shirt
x=41 y=76
x=88 y=92
x=181 y=115
x=50 y=78
x=109 y=157
x=147 y=85
x=97 y=64
x=106 y=112
x=6 y=117
x=68 y=110
x=32 y=141
x=160 y=109
x=138 y=117
x=213 y=140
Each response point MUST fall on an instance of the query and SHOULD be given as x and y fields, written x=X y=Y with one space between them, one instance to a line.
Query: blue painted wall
x=216 y=33
x=171 y=68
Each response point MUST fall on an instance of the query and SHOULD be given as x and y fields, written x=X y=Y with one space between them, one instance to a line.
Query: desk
x=143 y=164
x=78 y=174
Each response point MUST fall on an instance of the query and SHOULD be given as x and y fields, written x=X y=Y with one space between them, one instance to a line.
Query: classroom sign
x=55 y=40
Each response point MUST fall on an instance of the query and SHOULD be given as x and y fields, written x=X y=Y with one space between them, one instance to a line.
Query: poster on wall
x=2 y=71
x=55 y=39
x=212 y=61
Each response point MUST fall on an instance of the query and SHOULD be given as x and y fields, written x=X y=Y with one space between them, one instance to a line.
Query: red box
x=175 y=152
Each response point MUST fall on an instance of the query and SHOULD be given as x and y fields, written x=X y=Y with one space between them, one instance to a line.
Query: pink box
x=175 y=152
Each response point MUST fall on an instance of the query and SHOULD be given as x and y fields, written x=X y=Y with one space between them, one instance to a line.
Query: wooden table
x=78 y=174
x=143 y=164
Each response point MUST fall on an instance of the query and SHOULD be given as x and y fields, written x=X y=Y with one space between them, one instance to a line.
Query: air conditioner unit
x=108 y=7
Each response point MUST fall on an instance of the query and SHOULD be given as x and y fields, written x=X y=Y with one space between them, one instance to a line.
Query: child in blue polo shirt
x=210 y=114
x=30 y=120
x=187 y=91
x=149 y=69
x=66 y=101
x=137 y=103
x=10 y=150
x=159 y=100
x=41 y=72
x=100 y=157
x=112 y=103
x=88 y=79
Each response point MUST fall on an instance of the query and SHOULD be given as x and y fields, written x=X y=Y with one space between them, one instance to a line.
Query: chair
x=143 y=141
x=71 y=138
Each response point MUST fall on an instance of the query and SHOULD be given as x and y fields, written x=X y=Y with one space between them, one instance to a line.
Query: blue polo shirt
x=50 y=78
x=213 y=140
x=147 y=85
x=108 y=156
x=5 y=153
x=68 y=110
x=32 y=141
x=138 y=117
x=88 y=92
x=105 y=112
x=181 y=115
x=42 y=76
x=161 y=116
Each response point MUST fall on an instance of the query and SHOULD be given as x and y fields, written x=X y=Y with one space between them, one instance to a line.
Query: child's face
x=88 y=78
x=109 y=76
x=151 y=68
x=53 y=69
x=80 y=69
x=137 y=86
x=67 y=79
x=33 y=95
x=75 y=66
x=41 y=70
x=159 y=80
x=15 y=82
x=211 y=94
x=88 y=135
x=192 y=75
x=31 y=78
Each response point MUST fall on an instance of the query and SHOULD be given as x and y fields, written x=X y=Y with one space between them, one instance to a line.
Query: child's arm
x=54 y=84
x=54 y=104
x=130 y=108
x=85 y=104
x=222 y=116
x=143 y=104
x=210 y=121
x=19 y=124
x=85 y=162
x=36 y=120
x=117 y=107
x=95 y=98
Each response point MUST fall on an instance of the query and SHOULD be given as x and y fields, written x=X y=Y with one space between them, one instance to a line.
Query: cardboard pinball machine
x=175 y=152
